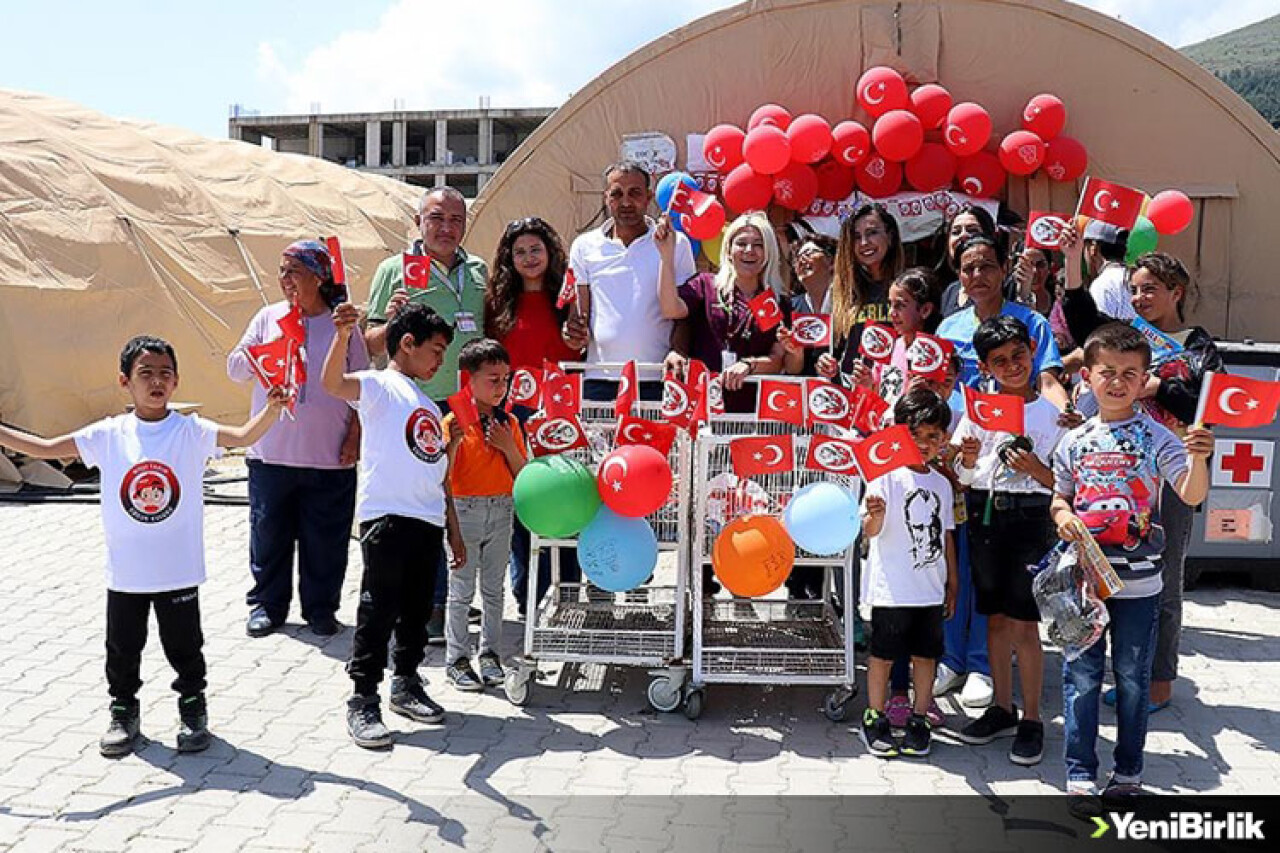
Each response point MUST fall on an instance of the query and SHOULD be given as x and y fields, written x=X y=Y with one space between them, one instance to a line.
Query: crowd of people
x=945 y=545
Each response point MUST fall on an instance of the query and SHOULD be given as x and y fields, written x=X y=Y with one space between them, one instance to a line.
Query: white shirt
x=626 y=320
x=403 y=458
x=152 y=487
x=1110 y=292
x=1040 y=424
x=907 y=566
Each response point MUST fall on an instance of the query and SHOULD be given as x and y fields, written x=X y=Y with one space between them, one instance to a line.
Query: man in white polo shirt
x=616 y=266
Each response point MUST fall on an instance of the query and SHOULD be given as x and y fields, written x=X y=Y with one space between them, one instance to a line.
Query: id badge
x=728 y=358
x=465 y=322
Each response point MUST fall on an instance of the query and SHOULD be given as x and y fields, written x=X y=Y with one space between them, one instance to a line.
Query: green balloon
x=1142 y=239
x=556 y=497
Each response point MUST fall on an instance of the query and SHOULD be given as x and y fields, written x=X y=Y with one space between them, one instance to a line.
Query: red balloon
x=850 y=142
x=1021 y=152
x=1170 y=211
x=967 y=129
x=898 y=135
x=810 y=138
x=767 y=149
x=722 y=147
x=931 y=103
x=881 y=89
x=769 y=114
x=746 y=190
x=932 y=169
x=1045 y=116
x=981 y=175
x=634 y=480
x=878 y=177
x=1065 y=159
x=835 y=180
x=795 y=187
x=706 y=226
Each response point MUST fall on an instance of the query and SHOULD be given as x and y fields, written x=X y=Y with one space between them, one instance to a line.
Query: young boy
x=484 y=459
x=151 y=464
x=403 y=506
x=1009 y=530
x=910 y=581
x=1107 y=480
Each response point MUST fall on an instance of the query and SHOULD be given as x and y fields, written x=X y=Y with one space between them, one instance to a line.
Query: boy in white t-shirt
x=403 y=505
x=151 y=463
x=910 y=578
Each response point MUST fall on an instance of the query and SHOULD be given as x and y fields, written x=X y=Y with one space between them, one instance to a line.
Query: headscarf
x=313 y=255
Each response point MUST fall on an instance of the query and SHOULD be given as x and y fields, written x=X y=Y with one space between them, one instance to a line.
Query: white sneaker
x=978 y=691
x=946 y=680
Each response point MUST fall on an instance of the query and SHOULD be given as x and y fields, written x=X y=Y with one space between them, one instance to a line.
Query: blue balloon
x=617 y=553
x=822 y=519
x=666 y=186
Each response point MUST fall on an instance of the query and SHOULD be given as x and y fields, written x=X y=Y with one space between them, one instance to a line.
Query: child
x=913 y=308
x=910 y=581
x=484 y=459
x=1009 y=530
x=1107 y=477
x=151 y=464
x=403 y=506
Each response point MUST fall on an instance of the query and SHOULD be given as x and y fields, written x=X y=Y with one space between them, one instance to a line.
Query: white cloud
x=1184 y=22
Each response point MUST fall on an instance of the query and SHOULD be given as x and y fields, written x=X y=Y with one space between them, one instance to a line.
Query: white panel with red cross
x=1243 y=462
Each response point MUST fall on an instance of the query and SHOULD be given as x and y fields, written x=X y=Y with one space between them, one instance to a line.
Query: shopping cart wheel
x=664 y=694
x=836 y=705
x=693 y=703
x=516 y=685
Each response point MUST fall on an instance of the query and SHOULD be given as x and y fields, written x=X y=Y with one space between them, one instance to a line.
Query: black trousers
x=401 y=556
x=178 y=616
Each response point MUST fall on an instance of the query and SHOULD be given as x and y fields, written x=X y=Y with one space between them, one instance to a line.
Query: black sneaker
x=193 y=725
x=463 y=677
x=364 y=723
x=1121 y=795
x=491 y=671
x=122 y=734
x=995 y=722
x=409 y=699
x=917 y=737
x=877 y=735
x=1028 y=743
x=260 y=623
x=435 y=627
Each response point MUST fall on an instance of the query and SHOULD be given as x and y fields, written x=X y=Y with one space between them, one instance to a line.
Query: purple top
x=716 y=325
x=315 y=438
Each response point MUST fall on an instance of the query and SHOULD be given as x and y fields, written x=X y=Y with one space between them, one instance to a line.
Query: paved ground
x=282 y=774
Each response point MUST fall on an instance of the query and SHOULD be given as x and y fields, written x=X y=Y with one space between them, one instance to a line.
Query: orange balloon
x=753 y=555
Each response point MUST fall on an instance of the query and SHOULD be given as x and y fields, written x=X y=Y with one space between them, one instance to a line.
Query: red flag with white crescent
x=272 y=362
x=1113 y=203
x=417 y=271
x=995 y=412
x=780 y=401
x=562 y=395
x=568 y=290
x=627 y=390
x=886 y=451
x=765 y=310
x=338 y=266
x=868 y=409
x=292 y=326
x=659 y=436
x=1238 y=401
x=763 y=454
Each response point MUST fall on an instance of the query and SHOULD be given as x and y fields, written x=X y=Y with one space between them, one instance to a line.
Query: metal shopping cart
x=580 y=623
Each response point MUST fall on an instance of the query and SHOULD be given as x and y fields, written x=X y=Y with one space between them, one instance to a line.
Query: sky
x=186 y=64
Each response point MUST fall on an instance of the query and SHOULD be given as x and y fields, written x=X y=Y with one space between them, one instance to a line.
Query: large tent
x=1151 y=118
x=113 y=228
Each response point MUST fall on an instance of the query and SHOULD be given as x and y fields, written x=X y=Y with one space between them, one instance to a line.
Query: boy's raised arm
x=62 y=447
x=1194 y=485
x=335 y=379
x=256 y=427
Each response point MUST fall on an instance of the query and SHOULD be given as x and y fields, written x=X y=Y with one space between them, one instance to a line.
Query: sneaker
x=122 y=734
x=978 y=691
x=193 y=724
x=1119 y=792
x=934 y=715
x=877 y=735
x=409 y=699
x=898 y=710
x=325 y=626
x=260 y=623
x=1028 y=743
x=946 y=680
x=491 y=671
x=463 y=677
x=916 y=740
x=435 y=627
x=364 y=723
x=995 y=722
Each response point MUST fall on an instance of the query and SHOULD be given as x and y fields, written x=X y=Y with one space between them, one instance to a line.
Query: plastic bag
x=1075 y=615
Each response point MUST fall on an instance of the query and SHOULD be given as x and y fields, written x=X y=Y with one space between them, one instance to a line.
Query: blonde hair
x=771 y=276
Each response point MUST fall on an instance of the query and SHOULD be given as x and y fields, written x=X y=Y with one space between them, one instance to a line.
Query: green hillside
x=1247 y=60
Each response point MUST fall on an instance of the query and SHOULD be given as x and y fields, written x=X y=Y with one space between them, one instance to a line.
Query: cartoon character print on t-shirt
x=425 y=436
x=149 y=492
x=1114 y=503
x=923 y=514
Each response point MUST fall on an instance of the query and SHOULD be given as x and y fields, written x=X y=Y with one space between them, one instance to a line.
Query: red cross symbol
x=1243 y=463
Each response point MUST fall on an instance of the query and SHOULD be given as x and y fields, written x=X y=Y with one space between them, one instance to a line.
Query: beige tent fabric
x=113 y=228
x=1150 y=118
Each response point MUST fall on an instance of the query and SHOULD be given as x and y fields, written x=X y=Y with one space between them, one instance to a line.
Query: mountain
x=1247 y=60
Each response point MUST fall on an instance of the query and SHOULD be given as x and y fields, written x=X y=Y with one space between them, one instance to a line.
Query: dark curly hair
x=502 y=294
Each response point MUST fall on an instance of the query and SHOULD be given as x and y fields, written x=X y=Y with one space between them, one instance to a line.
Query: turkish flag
x=689 y=202
x=780 y=401
x=526 y=388
x=627 y=388
x=1238 y=401
x=1113 y=203
x=995 y=412
x=1044 y=230
x=928 y=356
x=655 y=434
x=835 y=455
x=562 y=395
x=764 y=308
x=761 y=454
x=679 y=401
x=338 y=266
x=417 y=271
x=828 y=403
x=811 y=330
x=868 y=409
x=273 y=362
x=291 y=325
x=463 y=407
x=886 y=451
x=877 y=342
x=715 y=394
x=548 y=435
x=568 y=290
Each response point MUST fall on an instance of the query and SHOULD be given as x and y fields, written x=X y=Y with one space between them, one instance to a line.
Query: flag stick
x=1203 y=401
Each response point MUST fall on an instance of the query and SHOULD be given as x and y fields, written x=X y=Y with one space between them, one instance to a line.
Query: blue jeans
x=1133 y=641
x=311 y=509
